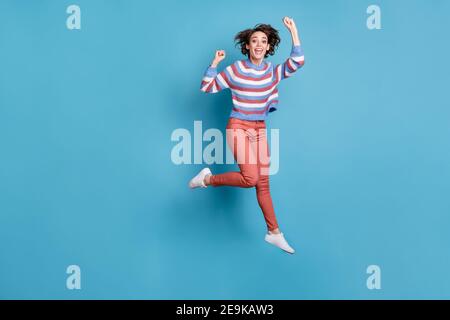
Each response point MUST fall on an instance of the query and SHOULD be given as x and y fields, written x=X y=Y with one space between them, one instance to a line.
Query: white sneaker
x=199 y=179
x=279 y=241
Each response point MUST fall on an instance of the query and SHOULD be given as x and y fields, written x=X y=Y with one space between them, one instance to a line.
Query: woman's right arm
x=213 y=82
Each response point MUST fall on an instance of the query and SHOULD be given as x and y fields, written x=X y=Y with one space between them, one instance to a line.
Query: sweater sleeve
x=213 y=82
x=295 y=61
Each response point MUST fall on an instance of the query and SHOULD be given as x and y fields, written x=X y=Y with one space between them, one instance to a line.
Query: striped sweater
x=253 y=88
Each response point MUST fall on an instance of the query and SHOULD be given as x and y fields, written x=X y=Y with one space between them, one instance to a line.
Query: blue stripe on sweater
x=247 y=86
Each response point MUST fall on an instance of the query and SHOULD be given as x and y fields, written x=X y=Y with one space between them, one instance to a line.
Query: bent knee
x=251 y=180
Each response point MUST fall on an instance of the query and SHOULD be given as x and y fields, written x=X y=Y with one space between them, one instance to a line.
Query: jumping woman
x=253 y=84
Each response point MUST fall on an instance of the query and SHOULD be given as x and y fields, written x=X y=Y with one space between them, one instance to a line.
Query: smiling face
x=258 y=45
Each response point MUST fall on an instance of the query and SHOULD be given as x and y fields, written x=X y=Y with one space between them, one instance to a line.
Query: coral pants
x=248 y=143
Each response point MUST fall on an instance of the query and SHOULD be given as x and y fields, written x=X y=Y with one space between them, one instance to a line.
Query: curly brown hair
x=243 y=37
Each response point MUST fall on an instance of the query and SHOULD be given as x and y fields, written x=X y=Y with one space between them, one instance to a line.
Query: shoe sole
x=279 y=247
x=189 y=184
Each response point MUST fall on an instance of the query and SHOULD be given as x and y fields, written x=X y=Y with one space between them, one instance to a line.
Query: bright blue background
x=86 y=176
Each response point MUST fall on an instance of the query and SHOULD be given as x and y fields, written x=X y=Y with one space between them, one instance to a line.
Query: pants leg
x=243 y=153
x=263 y=186
x=251 y=151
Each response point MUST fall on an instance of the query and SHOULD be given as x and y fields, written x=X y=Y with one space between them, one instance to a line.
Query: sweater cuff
x=211 y=72
x=297 y=51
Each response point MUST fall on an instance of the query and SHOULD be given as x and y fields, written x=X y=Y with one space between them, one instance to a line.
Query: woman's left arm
x=296 y=59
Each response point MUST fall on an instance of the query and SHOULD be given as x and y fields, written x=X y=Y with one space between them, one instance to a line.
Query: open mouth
x=259 y=51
